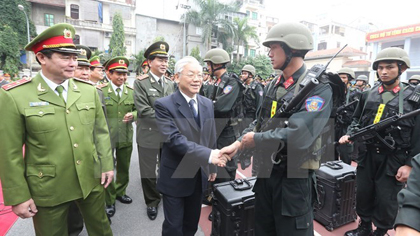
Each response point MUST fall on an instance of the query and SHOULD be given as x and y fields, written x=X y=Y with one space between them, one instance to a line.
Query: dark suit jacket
x=187 y=147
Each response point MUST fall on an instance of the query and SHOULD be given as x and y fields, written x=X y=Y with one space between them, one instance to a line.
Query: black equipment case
x=233 y=208
x=336 y=184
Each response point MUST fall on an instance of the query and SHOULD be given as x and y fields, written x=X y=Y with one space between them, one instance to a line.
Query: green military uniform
x=66 y=141
x=121 y=133
x=377 y=186
x=146 y=92
x=408 y=199
x=62 y=161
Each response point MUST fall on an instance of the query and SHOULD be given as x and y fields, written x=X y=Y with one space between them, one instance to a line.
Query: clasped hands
x=220 y=157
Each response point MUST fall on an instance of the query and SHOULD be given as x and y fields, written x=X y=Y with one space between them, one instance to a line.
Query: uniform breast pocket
x=153 y=96
x=87 y=112
x=40 y=119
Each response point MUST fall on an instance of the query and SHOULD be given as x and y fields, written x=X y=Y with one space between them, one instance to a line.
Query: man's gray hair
x=179 y=66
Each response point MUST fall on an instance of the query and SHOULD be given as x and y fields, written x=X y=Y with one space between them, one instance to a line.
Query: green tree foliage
x=209 y=16
x=261 y=63
x=242 y=32
x=139 y=58
x=9 y=51
x=13 y=33
x=11 y=16
x=159 y=38
x=116 y=44
x=195 y=52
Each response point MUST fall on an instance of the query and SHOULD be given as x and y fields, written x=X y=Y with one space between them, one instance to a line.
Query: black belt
x=379 y=149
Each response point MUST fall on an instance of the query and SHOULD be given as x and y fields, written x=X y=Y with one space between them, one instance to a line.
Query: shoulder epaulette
x=15 y=84
x=129 y=86
x=85 y=81
x=142 y=77
x=100 y=86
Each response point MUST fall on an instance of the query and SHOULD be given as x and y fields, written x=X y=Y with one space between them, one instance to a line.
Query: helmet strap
x=289 y=56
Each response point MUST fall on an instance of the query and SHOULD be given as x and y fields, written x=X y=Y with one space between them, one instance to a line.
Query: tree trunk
x=237 y=54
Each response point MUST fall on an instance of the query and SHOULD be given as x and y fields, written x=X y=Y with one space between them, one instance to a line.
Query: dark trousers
x=283 y=206
x=148 y=161
x=182 y=214
x=74 y=220
x=377 y=190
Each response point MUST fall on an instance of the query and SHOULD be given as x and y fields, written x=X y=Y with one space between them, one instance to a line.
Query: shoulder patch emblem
x=261 y=93
x=15 y=84
x=314 y=103
x=227 y=89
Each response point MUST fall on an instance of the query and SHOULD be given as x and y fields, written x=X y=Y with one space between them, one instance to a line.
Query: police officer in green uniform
x=345 y=113
x=407 y=222
x=96 y=70
x=83 y=65
x=147 y=90
x=60 y=123
x=414 y=80
x=381 y=171
x=121 y=111
x=206 y=82
x=283 y=190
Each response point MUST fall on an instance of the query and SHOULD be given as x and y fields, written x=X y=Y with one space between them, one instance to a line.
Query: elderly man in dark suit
x=186 y=121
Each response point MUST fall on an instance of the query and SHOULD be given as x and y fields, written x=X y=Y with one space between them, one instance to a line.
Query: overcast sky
x=382 y=14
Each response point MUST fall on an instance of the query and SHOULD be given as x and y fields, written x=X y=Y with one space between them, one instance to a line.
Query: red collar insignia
x=394 y=90
x=288 y=82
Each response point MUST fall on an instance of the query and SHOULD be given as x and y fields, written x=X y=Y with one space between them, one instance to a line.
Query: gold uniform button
x=68 y=111
x=40 y=174
x=75 y=145
x=78 y=162
x=71 y=128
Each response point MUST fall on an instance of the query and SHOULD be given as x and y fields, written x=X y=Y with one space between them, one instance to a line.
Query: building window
x=74 y=11
x=245 y=53
x=198 y=30
x=248 y=13
x=252 y=52
x=322 y=46
x=254 y=16
x=49 y=19
x=76 y=39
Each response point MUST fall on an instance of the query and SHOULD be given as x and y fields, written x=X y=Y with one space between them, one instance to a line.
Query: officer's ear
x=41 y=58
x=403 y=68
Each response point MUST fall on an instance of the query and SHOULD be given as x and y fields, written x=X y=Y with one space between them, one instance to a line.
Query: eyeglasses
x=192 y=75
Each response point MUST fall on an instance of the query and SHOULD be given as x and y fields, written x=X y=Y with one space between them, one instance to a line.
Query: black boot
x=364 y=229
x=379 y=232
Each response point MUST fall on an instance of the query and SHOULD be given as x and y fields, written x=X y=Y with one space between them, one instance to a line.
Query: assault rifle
x=308 y=83
x=342 y=109
x=386 y=126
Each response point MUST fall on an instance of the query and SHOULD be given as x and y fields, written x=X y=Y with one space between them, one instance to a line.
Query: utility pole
x=184 y=48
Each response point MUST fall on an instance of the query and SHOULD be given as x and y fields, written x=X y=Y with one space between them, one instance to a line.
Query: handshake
x=220 y=157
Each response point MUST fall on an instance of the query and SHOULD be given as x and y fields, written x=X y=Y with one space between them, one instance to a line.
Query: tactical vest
x=402 y=136
x=250 y=106
x=280 y=95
